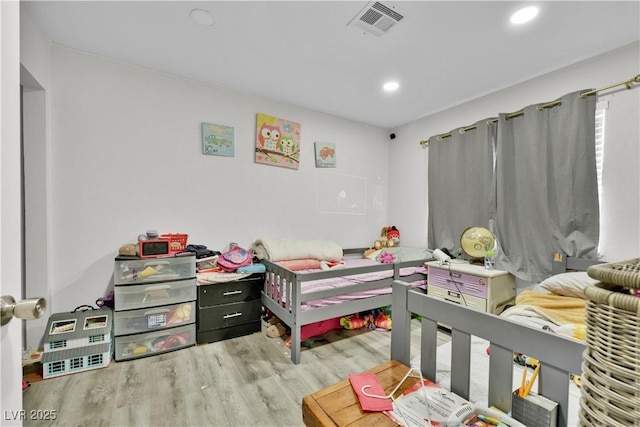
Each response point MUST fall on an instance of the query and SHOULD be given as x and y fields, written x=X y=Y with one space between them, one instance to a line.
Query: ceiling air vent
x=376 y=18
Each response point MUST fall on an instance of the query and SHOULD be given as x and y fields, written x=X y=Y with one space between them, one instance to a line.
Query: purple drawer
x=459 y=282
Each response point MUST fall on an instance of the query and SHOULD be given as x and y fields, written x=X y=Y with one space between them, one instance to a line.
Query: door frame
x=10 y=211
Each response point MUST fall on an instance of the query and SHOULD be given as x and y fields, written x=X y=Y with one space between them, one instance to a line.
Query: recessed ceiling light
x=201 y=17
x=391 y=86
x=524 y=15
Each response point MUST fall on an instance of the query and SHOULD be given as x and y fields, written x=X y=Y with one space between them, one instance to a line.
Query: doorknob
x=27 y=309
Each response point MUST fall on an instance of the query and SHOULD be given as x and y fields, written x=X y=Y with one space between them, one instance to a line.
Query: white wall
x=127 y=157
x=621 y=175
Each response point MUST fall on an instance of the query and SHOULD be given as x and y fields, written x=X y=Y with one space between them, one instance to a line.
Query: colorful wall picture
x=277 y=142
x=325 y=154
x=217 y=140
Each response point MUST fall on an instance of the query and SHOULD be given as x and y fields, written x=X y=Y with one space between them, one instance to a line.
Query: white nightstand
x=471 y=285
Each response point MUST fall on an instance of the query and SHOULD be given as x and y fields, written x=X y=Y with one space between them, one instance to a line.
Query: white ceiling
x=443 y=53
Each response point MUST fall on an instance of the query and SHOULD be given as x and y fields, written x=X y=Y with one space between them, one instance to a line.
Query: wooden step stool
x=338 y=405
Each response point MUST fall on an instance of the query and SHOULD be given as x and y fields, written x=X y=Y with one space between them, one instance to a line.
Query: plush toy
x=369 y=251
x=276 y=328
x=383 y=321
x=389 y=237
x=386 y=257
x=130 y=249
x=355 y=321
x=383 y=241
x=393 y=235
x=275 y=331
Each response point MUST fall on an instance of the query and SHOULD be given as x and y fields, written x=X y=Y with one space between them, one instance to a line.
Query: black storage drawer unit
x=229 y=309
x=246 y=289
x=226 y=315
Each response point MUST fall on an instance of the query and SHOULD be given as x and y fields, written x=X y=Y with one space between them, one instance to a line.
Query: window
x=56 y=367
x=53 y=345
x=76 y=363
x=63 y=326
x=94 y=360
x=96 y=338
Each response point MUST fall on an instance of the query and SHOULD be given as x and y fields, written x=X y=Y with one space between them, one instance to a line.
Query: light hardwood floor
x=245 y=381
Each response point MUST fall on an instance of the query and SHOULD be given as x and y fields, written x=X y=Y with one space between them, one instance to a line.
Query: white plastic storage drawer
x=154 y=318
x=140 y=345
x=459 y=282
x=469 y=301
x=129 y=271
x=154 y=294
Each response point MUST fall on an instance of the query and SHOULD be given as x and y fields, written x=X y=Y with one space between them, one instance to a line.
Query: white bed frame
x=293 y=315
x=559 y=356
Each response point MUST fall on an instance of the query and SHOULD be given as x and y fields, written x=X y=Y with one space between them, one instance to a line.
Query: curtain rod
x=627 y=83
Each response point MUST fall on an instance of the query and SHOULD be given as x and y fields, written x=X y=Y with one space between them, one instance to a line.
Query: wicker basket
x=623 y=273
x=611 y=366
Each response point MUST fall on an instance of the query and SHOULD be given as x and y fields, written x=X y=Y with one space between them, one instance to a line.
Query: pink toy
x=386 y=258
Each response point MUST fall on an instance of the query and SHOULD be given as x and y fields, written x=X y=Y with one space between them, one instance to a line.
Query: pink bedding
x=299 y=264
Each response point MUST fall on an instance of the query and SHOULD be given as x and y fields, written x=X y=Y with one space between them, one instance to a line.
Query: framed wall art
x=277 y=142
x=217 y=140
x=325 y=154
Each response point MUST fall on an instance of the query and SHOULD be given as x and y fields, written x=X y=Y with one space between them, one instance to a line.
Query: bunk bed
x=558 y=355
x=304 y=297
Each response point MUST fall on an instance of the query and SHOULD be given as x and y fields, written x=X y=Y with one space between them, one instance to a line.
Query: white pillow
x=571 y=284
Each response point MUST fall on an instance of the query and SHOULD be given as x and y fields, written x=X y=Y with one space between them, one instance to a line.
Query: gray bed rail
x=281 y=282
x=559 y=356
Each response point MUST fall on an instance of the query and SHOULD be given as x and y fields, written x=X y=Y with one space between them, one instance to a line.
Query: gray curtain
x=460 y=180
x=545 y=194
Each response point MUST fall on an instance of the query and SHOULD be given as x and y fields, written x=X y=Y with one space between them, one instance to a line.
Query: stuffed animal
x=383 y=321
x=354 y=321
x=393 y=234
x=389 y=237
x=386 y=257
x=130 y=249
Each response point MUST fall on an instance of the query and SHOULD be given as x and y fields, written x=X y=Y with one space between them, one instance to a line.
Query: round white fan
x=476 y=241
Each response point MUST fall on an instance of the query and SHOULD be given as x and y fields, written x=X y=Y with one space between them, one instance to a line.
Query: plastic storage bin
x=150 y=270
x=155 y=318
x=154 y=294
x=140 y=345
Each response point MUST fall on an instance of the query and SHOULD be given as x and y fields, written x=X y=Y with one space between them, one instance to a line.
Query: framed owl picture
x=277 y=142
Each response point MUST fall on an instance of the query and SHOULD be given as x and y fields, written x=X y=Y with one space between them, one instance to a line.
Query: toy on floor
x=308 y=343
x=354 y=321
x=275 y=329
x=106 y=302
x=383 y=321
